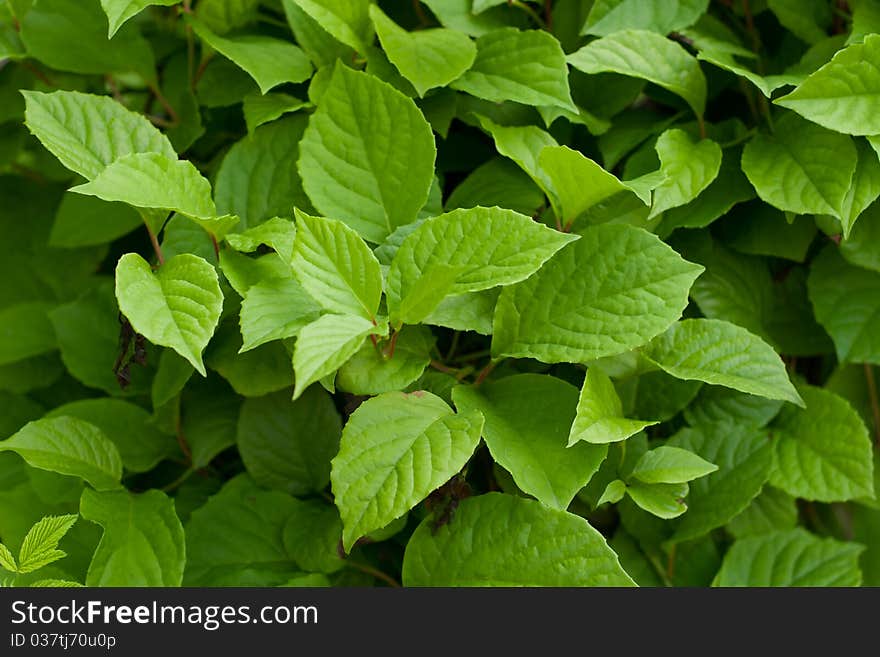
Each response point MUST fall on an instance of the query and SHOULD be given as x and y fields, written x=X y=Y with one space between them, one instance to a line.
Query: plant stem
x=548 y=14
x=875 y=404
x=375 y=572
x=453 y=346
x=156 y=248
x=215 y=245
x=535 y=16
x=486 y=371
x=177 y=482
x=174 y=118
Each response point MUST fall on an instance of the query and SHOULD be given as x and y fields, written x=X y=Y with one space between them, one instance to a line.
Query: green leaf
x=153 y=180
x=823 y=452
x=336 y=267
x=259 y=109
x=815 y=165
x=143 y=541
x=119 y=11
x=277 y=233
x=717 y=404
x=528 y=417
x=790 y=558
x=237 y=537
x=721 y=353
x=661 y=16
x=258 y=179
x=210 y=412
x=141 y=446
x=523 y=145
x=611 y=291
x=484 y=545
x=68 y=446
x=578 y=183
x=87 y=133
x=865 y=188
x=459 y=15
x=322 y=47
x=372 y=371
x=649 y=56
x=600 y=418
x=25 y=331
x=288 y=445
x=767 y=84
x=688 y=168
x=456 y=241
x=396 y=448
x=243 y=272
x=671 y=465
x=498 y=73
x=89 y=221
x=497 y=182
x=347 y=20
x=253 y=373
x=807 y=19
x=427 y=58
x=40 y=545
x=72 y=36
x=846 y=302
x=840 y=95
x=269 y=61
x=275 y=309
x=744 y=458
x=225 y=15
x=371 y=169
x=7 y=559
x=662 y=500
x=772 y=510
x=613 y=493
x=312 y=535
x=324 y=345
x=862 y=247
x=176 y=307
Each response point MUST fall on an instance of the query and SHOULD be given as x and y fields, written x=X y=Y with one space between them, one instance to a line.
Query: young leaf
x=661 y=16
x=371 y=169
x=600 y=417
x=141 y=446
x=275 y=309
x=288 y=445
x=613 y=493
x=815 y=167
x=744 y=458
x=523 y=145
x=372 y=371
x=823 y=452
x=336 y=267
x=143 y=541
x=841 y=95
x=347 y=20
x=790 y=558
x=528 y=417
x=87 y=133
x=671 y=465
x=456 y=241
x=7 y=559
x=119 y=11
x=865 y=188
x=427 y=58
x=721 y=353
x=688 y=169
x=321 y=46
x=484 y=546
x=177 y=307
x=265 y=108
x=498 y=73
x=578 y=183
x=324 y=345
x=611 y=291
x=153 y=180
x=277 y=233
x=70 y=446
x=267 y=60
x=649 y=56
x=420 y=444
x=662 y=500
x=846 y=302
x=40 y=545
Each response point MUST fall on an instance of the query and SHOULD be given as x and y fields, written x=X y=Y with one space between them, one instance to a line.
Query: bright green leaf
x=661 y=16
x=688 y=167
x=68 y=446
x=119 y=11
x=528 y=417
x=40 y=545
x=259 y=109
x=600 y=418
x=275 y=309
x=347 y=20
x=671 y=465
x=177 y=307
x=419 y=443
